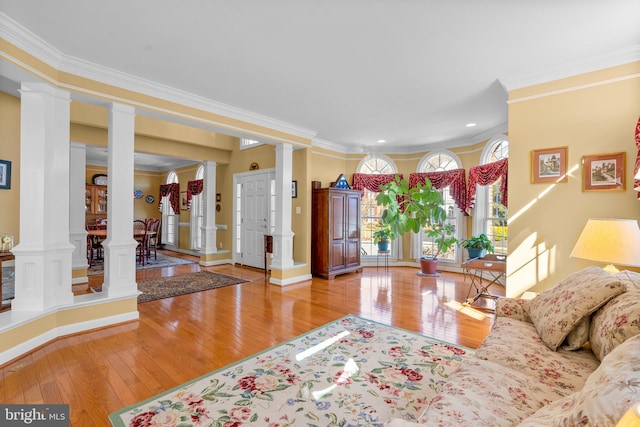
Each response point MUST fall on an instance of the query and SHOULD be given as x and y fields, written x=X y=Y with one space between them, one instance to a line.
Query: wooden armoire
x=335 y=231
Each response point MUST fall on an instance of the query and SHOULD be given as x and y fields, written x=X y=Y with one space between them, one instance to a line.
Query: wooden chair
x=94 y=249
x=140 y=234
x=153 y=236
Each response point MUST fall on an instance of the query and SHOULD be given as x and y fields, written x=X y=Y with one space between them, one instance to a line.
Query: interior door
x=254 y=214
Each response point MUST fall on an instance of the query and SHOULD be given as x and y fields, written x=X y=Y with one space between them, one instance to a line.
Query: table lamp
x=631 y=418
x=609 y=240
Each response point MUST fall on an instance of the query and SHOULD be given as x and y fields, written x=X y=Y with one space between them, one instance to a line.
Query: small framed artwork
x=294 y=189
x=549 y=165
x=603 y=172
x=183 y=201
x=5 y=174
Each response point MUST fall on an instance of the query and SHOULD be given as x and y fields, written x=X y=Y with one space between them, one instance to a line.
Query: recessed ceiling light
x=470 y=125
x=382 y=141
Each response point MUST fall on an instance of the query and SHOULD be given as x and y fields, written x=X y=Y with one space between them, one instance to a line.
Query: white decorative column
x=77 y=218
x=283 y=236
x=209 y=199
x=43 y=257
x=120 y=246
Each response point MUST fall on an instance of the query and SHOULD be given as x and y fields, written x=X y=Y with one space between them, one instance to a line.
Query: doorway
x=254 y=197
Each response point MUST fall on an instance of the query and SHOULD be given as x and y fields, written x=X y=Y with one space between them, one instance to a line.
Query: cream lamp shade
x=631 y=418
x=611 y=241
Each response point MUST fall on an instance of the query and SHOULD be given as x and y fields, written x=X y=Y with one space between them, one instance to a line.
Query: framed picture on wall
x=603 y=172
x=549 y=165
x=5 y=174
x=183 y=201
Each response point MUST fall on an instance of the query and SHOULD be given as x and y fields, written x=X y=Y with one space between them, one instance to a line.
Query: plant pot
x=428 y=266
x=383 y=245
x=474 y=253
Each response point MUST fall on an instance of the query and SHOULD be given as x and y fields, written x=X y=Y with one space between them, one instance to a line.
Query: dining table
x=138 y=234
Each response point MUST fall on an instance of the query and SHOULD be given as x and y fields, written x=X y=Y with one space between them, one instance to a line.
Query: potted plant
x=415 y=209
x=382 y=236
x=475 y=245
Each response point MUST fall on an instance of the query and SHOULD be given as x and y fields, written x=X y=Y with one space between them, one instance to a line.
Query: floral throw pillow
x=614 y=323
x=605 y=397
x=556 y=311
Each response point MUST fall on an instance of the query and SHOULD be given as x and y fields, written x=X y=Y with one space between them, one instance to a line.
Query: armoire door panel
x=337 y=216
x=337 y=253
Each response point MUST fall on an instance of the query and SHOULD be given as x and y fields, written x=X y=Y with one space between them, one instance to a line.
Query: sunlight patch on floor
x=466 y=309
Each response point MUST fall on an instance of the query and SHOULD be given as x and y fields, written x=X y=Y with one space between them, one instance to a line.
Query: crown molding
x=40 y=49
x=582 y=66
x=19 y=36
x=494 y=132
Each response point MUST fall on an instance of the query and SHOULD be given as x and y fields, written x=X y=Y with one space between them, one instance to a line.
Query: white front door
x=253 y=212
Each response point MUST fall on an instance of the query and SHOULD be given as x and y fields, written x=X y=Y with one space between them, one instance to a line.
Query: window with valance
x=372 y=172
x=442 y=168
x=194 y=188
x=486 y=175
x=487 y=193
x=173 y=191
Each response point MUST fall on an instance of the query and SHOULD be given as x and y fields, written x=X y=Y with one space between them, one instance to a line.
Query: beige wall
x=10 y=150
x=593 y=113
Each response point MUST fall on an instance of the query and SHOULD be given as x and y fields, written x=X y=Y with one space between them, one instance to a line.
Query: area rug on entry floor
x=166 y=287
x=351 y=372
x=97 y=269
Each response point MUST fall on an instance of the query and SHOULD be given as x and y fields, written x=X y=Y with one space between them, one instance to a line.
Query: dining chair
x=140 y=234
x=153 y=230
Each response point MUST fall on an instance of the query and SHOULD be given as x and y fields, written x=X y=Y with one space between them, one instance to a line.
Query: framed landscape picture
x=549 y=165
x=603 y=172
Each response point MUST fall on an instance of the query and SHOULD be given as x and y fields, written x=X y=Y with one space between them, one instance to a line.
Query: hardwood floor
x=178 y=339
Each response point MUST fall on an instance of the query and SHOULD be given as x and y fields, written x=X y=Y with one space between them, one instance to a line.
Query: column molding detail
x=43 y=256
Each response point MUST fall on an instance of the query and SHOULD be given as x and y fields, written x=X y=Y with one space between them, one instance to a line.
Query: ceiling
x=411 y=72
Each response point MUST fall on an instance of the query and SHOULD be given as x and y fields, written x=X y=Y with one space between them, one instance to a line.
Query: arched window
x=169 y=217
x=197 y=214
x=490 y=215
x=370 y=212
x=440 y=161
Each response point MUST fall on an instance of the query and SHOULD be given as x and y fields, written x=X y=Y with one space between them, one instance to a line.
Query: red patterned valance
x=487 y=175
x=636 y=182
x=173 y=191
x=193 y=189
x=372 y=182
x=454 y=179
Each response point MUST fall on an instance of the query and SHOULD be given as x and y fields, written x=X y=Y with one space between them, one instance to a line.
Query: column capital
x=44 y=88
x=122 y=108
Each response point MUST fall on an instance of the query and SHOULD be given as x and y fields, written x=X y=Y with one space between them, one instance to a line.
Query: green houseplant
x=475 y=245
x=414 y=209
x=382 y=236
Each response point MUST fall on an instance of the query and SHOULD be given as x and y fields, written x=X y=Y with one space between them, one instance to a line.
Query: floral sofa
x=568 y=357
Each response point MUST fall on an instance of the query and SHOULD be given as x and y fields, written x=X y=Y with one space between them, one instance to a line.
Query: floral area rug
x=97 y=269
x=351 y=372
x=166 y=287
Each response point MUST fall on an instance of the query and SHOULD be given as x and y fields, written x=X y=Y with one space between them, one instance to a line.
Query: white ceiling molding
x=32 y=44
x=611 y=59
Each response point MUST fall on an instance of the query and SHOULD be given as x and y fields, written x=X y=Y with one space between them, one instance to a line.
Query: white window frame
x=169 y=217
x=481 y=206
x=459 y=222
x=196 y=214
x=395 y=246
